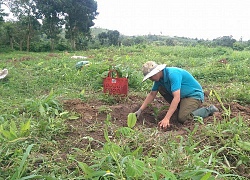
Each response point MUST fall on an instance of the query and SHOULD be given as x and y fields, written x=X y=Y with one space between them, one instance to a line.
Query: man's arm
x=173 y=106
x=150 y=97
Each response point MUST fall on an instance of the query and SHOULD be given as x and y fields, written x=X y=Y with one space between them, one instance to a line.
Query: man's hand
x=138 y=113
x=164 y=123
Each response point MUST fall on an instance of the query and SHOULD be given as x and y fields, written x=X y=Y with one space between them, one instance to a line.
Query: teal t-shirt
x=176 y=78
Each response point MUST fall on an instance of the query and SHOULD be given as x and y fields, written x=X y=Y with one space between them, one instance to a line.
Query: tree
x=103 y=37
x=51 y=14
x=139 y=40
x=10 y=28
x=79 y=16
x=2 y=14
x=25 y=11
x=14 y=34
x=127 y=41
x=238 y=46
x=227 y=41
x=170 y=42
x=109 y=38
x=113 y=37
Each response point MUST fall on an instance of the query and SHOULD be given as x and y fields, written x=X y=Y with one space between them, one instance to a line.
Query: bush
x=63 y=46
x=42 y=46
x=238 y=46
x=4 y=49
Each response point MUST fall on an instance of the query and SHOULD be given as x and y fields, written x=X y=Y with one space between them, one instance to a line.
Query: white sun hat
x=3 y=73
x=151 y=68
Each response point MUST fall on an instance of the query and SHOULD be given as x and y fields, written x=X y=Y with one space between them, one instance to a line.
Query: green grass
x=32 y=118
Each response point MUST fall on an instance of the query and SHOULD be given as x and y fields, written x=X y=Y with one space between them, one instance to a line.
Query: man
x=179 y=88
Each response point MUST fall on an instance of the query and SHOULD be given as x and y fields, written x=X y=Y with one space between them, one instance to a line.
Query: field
x=56 y=122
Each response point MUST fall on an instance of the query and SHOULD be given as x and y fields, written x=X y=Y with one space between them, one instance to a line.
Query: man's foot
x=212 y=109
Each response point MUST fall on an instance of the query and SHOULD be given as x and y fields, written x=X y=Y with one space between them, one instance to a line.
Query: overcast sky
x=206 y=19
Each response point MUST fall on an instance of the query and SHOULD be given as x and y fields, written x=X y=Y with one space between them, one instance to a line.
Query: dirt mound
x=88 y=129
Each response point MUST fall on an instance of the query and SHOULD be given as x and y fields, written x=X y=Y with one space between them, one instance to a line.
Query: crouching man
x=179 y=88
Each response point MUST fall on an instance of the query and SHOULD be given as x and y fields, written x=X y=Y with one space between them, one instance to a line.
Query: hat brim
x=3 y=73
x=157 y=69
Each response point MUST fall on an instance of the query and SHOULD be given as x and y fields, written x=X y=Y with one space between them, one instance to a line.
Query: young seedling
x=157 y=111
x=199 y=119
x=131 y=121
x=104 y=109
x=227 y=112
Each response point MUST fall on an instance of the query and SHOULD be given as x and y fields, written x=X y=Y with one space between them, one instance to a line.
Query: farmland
x=56 y=122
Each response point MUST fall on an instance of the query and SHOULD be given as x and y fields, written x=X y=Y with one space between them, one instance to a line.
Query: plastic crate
x=115 y=85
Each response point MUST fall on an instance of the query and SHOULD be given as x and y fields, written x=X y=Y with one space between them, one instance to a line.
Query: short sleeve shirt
x=179 y=79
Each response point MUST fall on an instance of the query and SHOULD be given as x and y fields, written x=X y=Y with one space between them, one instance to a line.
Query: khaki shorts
x=185 y=107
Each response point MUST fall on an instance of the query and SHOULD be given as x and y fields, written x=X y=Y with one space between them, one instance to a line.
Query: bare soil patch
x=94 y=113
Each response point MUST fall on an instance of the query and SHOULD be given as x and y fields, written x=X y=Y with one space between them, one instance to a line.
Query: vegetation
x=67 y=25
x=35 y=124
x=42 y=21
x=33 y=120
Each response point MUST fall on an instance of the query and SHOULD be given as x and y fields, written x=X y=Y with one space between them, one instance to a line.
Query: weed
x=157 y=111
x=10 y=132
x=104 y=109
x=20 y=171
x=199 y=119
x=107 y=98
x=45 y=106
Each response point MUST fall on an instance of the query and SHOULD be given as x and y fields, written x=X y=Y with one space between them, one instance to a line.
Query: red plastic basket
x=115 y=85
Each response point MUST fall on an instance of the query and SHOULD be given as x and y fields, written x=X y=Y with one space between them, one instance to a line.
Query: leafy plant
x=199 y=119
x=45 y=106
x=20 y=171
x=157 y=110
x=105 y=97
x=227 y=112
x=104 y=109
x=10 y=132
x=131 y=121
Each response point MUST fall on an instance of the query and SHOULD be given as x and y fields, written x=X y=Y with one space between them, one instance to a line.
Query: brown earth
x=88 y=129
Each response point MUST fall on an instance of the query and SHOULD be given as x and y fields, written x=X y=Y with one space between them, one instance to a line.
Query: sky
x=202 y=19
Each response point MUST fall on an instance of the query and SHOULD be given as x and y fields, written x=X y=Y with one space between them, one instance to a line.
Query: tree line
x=49 y=25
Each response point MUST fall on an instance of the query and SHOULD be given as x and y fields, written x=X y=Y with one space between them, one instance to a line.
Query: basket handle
x=110 y=71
